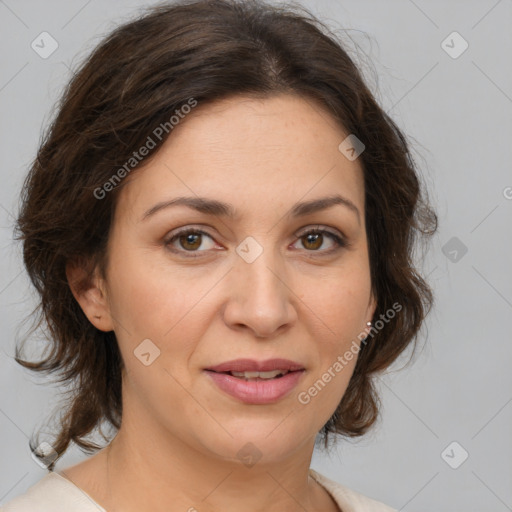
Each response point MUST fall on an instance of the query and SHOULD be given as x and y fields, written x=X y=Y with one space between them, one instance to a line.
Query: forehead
x=251 y=153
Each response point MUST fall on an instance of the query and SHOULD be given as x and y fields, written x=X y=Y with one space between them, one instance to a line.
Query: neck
x=151 y=476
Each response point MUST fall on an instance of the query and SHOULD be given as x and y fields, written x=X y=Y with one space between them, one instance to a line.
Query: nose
x=260 y=299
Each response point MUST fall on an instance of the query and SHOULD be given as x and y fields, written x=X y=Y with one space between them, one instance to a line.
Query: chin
x=271 y=442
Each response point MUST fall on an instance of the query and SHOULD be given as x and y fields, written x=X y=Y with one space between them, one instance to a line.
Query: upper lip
x=252 y=365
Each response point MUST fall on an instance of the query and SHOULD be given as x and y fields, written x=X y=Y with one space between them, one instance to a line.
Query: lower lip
x=259 y=391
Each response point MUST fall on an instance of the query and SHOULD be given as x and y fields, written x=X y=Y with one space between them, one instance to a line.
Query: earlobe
x=90 y=293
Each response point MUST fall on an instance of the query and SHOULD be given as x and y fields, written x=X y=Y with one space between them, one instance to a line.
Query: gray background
x=457 y=113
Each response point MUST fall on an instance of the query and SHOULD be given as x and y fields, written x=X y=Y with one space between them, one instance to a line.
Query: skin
x=180 y=434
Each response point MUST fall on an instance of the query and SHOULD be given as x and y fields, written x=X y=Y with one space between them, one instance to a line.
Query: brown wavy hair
x=136 y=79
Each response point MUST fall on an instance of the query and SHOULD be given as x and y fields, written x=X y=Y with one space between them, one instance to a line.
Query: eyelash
x=340 y=241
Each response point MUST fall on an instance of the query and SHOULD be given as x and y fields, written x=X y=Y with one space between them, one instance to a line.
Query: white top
x=55 y=493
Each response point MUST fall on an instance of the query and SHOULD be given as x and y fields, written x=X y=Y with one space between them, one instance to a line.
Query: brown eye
x=188 y=240
x=313 y=240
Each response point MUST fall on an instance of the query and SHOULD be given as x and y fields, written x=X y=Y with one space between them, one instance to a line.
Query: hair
x=134 y=81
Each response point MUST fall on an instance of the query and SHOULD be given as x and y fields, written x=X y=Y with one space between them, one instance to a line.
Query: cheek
x=342 y=319
x=341 y=306
x=153 y=297
x=319 y=398
x=162 y=304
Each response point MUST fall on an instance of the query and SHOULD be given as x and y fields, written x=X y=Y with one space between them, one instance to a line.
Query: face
x=272 y=280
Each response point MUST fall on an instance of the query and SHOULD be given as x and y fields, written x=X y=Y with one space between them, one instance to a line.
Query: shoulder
x=347 y=499
x=52 y=493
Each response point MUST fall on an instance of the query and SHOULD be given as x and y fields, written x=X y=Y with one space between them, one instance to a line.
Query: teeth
x=261 y=375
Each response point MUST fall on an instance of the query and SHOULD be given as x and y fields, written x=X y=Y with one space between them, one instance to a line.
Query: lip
x=256 y=392
x=252 y=365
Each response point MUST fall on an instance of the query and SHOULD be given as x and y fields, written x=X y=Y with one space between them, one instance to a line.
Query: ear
x=372 y=306
x=90 y=293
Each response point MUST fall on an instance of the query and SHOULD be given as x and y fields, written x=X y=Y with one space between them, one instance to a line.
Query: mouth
x=255 y=368
x=256 y=387
x=257 y=376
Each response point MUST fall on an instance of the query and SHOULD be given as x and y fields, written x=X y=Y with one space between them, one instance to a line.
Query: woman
x=220 y=223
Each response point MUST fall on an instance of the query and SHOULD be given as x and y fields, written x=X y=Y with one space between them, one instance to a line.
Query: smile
x=256 y=388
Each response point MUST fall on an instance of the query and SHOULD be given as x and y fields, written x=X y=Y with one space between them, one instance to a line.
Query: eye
x=313 y=240
x=189 y=239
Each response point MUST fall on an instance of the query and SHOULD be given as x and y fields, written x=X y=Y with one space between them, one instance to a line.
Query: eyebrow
x=218 y=208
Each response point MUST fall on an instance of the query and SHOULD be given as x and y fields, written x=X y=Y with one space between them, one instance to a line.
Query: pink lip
x=256 y=392
x=251 y=365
